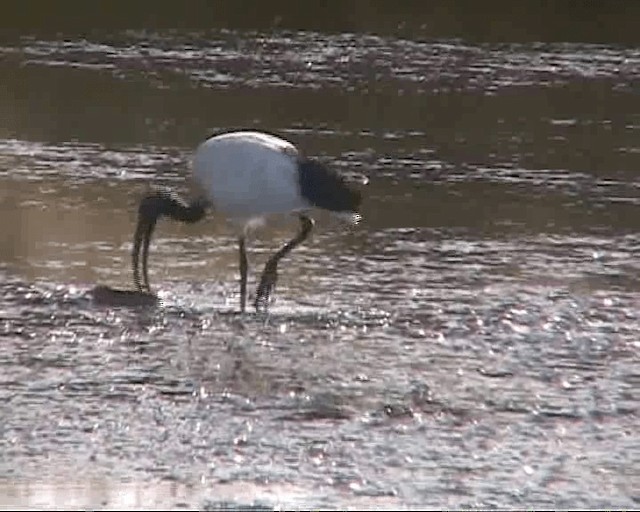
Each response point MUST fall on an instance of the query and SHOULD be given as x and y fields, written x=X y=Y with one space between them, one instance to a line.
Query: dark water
x=474 y=342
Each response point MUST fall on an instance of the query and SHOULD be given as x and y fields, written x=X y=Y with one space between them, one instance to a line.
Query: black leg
x=243 y=274
x=270 y=273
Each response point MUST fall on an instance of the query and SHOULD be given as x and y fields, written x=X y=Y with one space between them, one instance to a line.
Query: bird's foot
x=266 y=287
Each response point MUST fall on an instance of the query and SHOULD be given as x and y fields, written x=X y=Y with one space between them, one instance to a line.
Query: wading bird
x=247 y=176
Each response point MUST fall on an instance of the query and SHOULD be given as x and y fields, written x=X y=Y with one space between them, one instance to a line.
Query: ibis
x=247 y=176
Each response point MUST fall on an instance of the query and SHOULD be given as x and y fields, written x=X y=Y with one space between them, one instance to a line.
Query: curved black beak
x=148 y=214
x=152 y=207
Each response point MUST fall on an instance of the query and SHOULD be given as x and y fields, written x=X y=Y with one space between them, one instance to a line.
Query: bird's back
x=248 y=174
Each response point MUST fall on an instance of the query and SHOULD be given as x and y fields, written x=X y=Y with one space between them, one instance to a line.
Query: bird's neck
x=188 y=213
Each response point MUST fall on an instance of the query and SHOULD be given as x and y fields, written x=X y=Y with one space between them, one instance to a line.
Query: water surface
x=472 y=343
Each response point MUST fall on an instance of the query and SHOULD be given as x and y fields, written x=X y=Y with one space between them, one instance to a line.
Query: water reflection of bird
x=247 y=176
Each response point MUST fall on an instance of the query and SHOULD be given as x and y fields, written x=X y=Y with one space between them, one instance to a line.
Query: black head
x=158 y=204
x=325 y=188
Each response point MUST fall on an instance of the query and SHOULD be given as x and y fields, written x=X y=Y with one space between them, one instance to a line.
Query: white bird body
x=249 y=175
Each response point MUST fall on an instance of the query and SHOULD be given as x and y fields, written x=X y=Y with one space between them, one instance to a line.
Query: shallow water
x=474 y=342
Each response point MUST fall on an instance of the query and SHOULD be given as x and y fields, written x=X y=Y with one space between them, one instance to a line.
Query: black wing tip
x=326 y=188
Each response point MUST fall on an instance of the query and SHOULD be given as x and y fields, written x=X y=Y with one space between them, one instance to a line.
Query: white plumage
x=246 y=176
x=249 y=174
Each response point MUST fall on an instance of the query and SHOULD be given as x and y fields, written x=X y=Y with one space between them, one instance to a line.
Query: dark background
x=495 y=20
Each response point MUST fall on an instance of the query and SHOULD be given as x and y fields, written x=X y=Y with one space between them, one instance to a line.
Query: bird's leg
x=243 y=273
x=270 y=272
